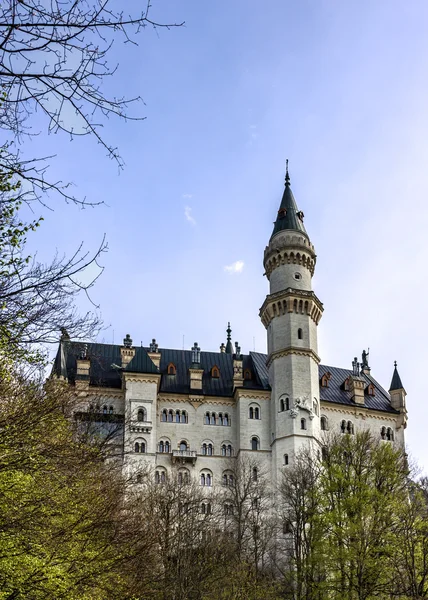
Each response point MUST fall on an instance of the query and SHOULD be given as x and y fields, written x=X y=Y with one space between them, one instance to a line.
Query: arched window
x=210 y=451
x=251 y=412
x=257 y=412
x=215 y=372
x=254 y=474
x=140 y=447
x=164 y=416
x=207 y=418
x=141 y=414
x=212 y=418
x=281 y=405
x=167 y=447
x=223 y=450
x=208 y=480
x=204 y=449
x=247 y=374
x=136 y=447
x=229 y=450
x=170 y=416
x=285 y=459
x=315 y=406
x=383 y=433
x=389 y=434
x=371 y=389
x=104 y=409
x=183 y=446
x=163 y=477
x=184 y=417
x=325 y=379
x=299 y=334
x=161 y=446
x=343 y=427
x=350 y=428
x=324 y=453
x=171 y=370
x=323 y=423
x=302 y=423
x=111 y=410
x=157 y=477
x=202 y=478
x=231 y=480
x=224 y=478
x=177 y=416
x=183 y=477
x=287 y=404
x=226 y=419
x=254 y=443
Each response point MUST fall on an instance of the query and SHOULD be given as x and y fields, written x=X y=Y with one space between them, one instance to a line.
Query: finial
x=229 y=347
x=395 y=363
x=287 y=176
x=229 y=331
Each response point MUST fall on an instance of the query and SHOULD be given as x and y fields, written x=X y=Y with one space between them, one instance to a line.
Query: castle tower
x=291 y=313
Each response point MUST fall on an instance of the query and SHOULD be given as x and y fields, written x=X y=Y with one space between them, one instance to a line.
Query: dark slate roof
x=287 y=214
x=396 y=380
x=105 y=360
x=141 y=363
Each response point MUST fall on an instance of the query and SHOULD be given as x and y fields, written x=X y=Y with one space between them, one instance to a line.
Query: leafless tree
x=54 y=59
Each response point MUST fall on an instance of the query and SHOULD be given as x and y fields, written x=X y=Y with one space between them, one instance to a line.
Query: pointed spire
x=289 y=216
x=229 y=347
x=396 y=380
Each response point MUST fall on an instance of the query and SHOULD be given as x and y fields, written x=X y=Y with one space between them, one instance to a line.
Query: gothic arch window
x=141 y=415
x=171 y=369
x=285 y=459
x=255 y=444
x=300 y=334
x=324 y=423
x=254 y=412
x=206 y=478
x=302 y=423
x=215 y=372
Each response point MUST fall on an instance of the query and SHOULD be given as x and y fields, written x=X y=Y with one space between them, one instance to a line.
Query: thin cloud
x=188 y=215
x=187 y=195
x=236 y=267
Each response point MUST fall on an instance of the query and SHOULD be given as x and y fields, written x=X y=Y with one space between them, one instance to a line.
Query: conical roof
x=289 y=216
x=396 y=380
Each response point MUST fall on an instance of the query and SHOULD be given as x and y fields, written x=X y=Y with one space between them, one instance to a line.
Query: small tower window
x=141 y=414
x=215 y=372
x=343 y=427
x=171 y=370
x=285 y=459
x=255 y=474
x=297 y=276
x=302 y=423
x=254 y=443
x=300 y=334
x=281 y=405
x=287 y=404
x=324 y=425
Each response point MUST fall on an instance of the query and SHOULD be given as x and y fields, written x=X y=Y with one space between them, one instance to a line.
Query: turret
x=291 y=313
x=397 y=391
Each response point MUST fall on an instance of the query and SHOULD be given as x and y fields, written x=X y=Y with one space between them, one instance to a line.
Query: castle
x=197 y=409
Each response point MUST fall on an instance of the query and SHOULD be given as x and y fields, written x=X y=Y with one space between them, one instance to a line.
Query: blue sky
x=341 y=90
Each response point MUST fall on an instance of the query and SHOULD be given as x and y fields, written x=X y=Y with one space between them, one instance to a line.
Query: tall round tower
x=291 y=313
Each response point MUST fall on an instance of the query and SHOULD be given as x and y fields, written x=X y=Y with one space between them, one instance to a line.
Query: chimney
x=195 y=370
x=238 y=375
x=127 y=352
x=357 y=384
x=154 y=353
x=83 y=365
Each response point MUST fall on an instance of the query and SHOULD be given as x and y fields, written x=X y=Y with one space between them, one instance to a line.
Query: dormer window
x=346 y=385
x=300 y=215
x=370 y=390
x=171 y=369
x=282 y=213
x=247 y=374
x=325 y=379
x=215 y=372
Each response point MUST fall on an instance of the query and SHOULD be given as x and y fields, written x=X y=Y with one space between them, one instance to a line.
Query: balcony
x=184 y=456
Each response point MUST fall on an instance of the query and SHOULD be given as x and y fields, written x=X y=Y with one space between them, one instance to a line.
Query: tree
x=54 y=59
